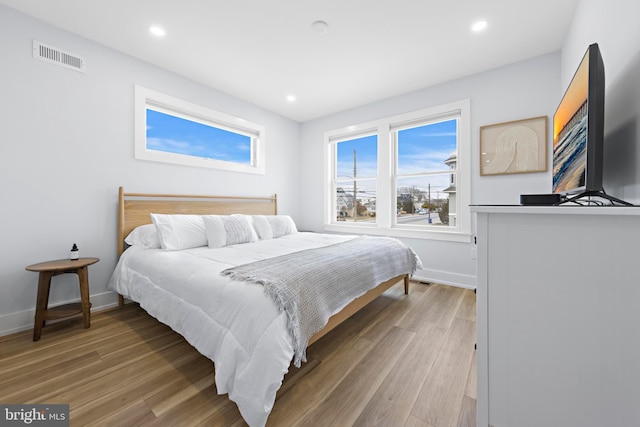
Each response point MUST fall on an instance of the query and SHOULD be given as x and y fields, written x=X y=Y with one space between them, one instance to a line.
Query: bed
x=240 y=323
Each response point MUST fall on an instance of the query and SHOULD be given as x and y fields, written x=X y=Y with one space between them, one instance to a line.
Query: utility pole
x=355 y=192
x=429 y=204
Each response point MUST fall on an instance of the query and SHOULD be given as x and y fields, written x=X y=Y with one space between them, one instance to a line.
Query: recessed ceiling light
x=319 y=27
x=479 y=26
x=157 y=31
x=291 y=98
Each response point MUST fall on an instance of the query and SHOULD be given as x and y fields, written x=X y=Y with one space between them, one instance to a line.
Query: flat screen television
x=578 y=130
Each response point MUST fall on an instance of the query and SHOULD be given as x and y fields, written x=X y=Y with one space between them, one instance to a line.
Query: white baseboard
x=445 y=278
x=23 y=320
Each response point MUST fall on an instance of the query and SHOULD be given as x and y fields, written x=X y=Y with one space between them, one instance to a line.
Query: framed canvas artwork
x=514 y=147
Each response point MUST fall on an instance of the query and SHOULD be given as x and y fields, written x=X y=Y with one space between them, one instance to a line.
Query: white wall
x=526 y=89
x=66 y=145
x=614 y=26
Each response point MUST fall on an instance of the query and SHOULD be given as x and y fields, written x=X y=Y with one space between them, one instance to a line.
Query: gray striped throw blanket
x=311 y=285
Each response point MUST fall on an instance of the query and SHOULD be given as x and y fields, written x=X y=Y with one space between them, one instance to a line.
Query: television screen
x=578 y=129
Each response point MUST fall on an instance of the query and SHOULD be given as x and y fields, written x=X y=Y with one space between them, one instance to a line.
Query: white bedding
x=231 y=322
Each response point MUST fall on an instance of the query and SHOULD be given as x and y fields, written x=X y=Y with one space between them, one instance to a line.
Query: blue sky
x=421 y=150
x=180 y=136
x=425 y=148
x=366 y=157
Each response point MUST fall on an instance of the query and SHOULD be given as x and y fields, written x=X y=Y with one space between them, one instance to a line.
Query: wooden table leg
x=44 y=283
x=83 y=277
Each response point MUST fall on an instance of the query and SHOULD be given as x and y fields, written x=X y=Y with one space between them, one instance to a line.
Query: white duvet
x=233 y=323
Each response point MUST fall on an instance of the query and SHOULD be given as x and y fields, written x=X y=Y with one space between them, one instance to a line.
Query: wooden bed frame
x=134 y=209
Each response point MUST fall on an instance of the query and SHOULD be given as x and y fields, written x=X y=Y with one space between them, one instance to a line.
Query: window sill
x=449 y=235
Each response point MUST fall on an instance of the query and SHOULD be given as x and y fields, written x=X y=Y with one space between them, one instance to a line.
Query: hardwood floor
x=401 y=361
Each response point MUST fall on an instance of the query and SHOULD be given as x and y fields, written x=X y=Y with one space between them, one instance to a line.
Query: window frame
x=386 y=223
x=150 y=99
x=334 y=160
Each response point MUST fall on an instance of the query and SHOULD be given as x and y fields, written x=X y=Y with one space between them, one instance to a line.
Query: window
x=356 y=171
x=175 y=131
x=406 y=176
x=426 y=173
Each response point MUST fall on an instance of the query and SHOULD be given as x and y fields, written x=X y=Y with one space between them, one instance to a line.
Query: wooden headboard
x=135 y=209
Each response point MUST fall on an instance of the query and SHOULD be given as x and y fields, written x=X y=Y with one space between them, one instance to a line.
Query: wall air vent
x=58 y=56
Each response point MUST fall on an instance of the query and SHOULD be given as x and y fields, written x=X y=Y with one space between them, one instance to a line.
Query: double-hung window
x=356 y=178
x=406 y=175
x=172 y=130
x=426 y=171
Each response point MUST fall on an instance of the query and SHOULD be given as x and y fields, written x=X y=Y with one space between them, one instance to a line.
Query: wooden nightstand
x=52 y=268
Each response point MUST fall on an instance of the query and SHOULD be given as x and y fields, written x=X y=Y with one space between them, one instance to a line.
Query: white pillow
x=180 y=231
x=262 y=226
x=145 y=236
x=281 y=225
x=273 y=226
x=224 y=230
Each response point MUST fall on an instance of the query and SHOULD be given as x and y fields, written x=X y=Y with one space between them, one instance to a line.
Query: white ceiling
x=262 y=51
